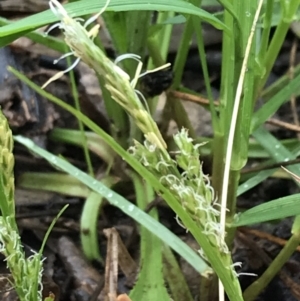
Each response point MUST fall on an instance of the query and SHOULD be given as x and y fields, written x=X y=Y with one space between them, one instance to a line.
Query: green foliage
x=150 y=283
x=80 y=8
x=189 y=192
x=276 y=209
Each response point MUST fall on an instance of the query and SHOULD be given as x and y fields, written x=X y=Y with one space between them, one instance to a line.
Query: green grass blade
x=150 y=284
x=35 y=284
x=94 y=142
x=277 y=151
x=175 y=278
x=89 y=222
x=264 y=174
x=277 y=209
x=48 y=41
x=288 y=206
x=268 y=109
x=255 y=180
x=279 y=84
x=56 y=182
x=88 y=226
x=82 y=8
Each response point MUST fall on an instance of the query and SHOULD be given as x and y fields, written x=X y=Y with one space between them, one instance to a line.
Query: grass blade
x=276 y=209
x=82 y=8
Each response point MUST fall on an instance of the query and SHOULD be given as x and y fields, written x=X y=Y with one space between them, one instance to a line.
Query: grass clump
x=179 y=179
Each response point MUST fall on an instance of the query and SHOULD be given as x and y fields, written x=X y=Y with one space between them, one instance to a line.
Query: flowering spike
x=53 y=78
x=117 y=80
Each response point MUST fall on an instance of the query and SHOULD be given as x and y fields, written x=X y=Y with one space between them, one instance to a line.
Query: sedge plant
x=189 y=192
x=191 y=188
x=26 y=272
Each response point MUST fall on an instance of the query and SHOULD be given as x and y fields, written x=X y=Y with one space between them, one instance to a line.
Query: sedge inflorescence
x=117 y=80
x=189 y=185
x=26 y=272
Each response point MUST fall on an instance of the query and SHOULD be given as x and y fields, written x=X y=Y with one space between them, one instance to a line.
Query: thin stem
x=155 y=56
x=229 y=7
x=232 y=132
x=267 y=28
x=234 y=119
x=226 y=94
x=182 y=53
x=80 y=124
x=158 y=47
x=256 y=287
x=289 y=9
x=161 y=40
x=200 y=44
x=178 y=111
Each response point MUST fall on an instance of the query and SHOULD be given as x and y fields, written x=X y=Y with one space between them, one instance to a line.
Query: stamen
x=156 y=69
x=62 y=57
x=143 y=99
x=73 y=65
x=94 y=18
x=237 y=264
x=52 y=27
x=180 y=223
x=60 y=74
x=246 y=274
x=127 y=56
x=137 y=74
